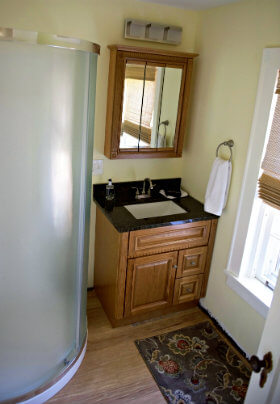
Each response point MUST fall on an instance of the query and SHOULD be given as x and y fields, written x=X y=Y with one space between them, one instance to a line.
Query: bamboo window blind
x=138 y=107
x=269 y=182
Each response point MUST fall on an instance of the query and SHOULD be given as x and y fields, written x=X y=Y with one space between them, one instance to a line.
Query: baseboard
x=221 y=327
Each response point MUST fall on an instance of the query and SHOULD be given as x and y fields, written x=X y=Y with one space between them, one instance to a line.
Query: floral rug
x=196 y=365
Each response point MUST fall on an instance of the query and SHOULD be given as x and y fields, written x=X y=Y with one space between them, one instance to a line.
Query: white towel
x=183 y=194
x=161 y=140
x=218 y=186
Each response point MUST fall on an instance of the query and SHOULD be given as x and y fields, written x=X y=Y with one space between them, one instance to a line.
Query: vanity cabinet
x=145 y=273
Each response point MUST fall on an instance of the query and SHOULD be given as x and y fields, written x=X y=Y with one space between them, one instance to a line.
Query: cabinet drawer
x=168 y=238
x=191 y=261
x=187 y=289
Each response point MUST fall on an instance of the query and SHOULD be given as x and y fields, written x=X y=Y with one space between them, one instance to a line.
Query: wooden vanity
x=145 y=273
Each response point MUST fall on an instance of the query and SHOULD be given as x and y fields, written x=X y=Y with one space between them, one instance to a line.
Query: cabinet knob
x=175 y=266
x=192 y=263
x=188 y=289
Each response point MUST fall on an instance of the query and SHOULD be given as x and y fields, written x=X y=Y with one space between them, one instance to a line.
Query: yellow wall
x=230 y=44
x=102 y=21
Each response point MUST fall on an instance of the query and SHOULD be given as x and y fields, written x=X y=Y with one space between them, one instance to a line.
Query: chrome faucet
x=146 y=189
x=147 y=186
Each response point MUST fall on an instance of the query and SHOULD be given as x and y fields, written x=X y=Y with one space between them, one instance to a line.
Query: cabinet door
x=150 y=283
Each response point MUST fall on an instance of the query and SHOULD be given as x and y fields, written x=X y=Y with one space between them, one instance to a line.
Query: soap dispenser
x=110 y=190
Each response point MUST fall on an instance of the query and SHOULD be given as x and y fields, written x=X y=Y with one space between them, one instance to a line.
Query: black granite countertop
x=124 y=221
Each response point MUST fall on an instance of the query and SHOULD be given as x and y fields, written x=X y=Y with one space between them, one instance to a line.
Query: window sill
x=252 y=291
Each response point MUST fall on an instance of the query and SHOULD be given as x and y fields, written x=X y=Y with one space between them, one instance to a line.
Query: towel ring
x=229 y=143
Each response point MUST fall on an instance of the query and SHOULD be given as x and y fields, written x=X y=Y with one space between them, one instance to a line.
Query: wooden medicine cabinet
x=148 y=94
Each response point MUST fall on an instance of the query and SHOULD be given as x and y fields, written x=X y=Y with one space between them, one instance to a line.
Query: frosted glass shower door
x=44 y=93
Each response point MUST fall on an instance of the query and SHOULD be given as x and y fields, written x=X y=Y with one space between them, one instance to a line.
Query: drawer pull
x=187 y=289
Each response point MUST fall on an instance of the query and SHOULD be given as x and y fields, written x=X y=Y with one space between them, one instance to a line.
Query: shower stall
x=47 y=93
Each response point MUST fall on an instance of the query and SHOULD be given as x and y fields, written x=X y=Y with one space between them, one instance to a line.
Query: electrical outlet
x=97 y=167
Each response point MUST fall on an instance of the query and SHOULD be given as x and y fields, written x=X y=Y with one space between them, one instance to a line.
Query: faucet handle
x=137 y=192
x=152 y=185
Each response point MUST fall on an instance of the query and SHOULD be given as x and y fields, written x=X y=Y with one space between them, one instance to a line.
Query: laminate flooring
x=113 y=372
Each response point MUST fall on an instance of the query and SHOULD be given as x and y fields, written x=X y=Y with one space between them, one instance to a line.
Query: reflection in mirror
x=169 y=102
x=150 y=104
x=132 y=95
x=138 y=100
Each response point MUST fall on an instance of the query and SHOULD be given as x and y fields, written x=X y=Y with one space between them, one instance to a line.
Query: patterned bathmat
x=196 y=365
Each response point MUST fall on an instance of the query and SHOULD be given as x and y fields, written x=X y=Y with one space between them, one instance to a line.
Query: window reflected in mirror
x=150 y=106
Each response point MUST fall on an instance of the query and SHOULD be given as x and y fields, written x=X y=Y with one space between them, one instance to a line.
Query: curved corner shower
x=47 y=98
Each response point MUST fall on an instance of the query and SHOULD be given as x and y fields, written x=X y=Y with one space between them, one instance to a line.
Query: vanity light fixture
x=150 y=31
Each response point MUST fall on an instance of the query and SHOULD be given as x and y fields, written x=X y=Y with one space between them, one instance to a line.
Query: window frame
x=269 y=67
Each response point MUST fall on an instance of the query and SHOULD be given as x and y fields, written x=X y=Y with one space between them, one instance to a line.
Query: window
x=266 y=266
x=261 y=258
x=254 y=254
x=261 y=254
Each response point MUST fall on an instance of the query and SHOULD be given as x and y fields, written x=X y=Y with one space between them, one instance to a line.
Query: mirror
x=150 y=106
x=148 y=91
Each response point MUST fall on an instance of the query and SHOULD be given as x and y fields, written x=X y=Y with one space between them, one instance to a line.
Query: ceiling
x=192 y=4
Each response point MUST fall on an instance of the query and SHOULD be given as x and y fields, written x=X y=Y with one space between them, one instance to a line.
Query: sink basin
x=145 y=210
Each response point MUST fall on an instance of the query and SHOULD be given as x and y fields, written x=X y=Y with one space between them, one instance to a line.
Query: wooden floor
x=113 y=370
